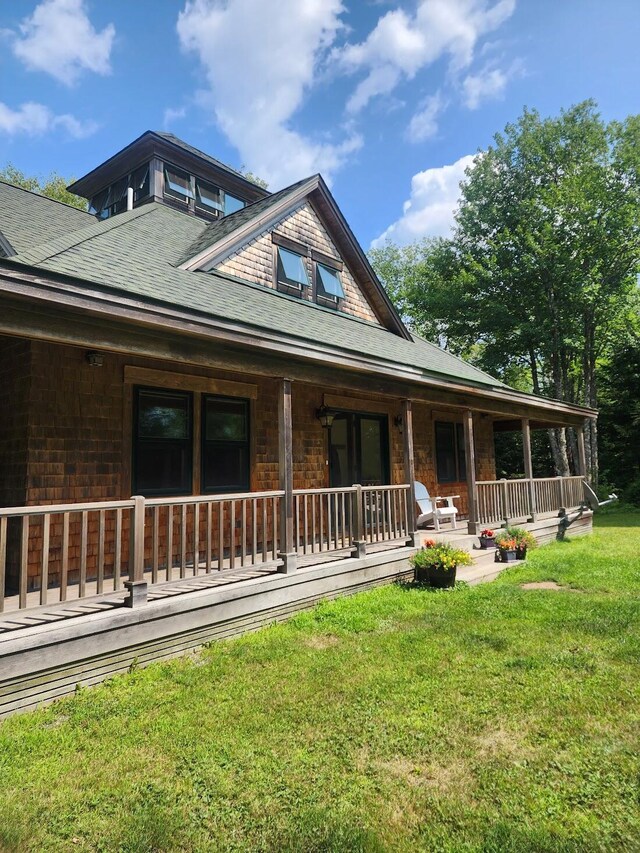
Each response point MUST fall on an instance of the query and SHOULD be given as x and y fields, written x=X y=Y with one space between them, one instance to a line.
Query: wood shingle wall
x=254 y=261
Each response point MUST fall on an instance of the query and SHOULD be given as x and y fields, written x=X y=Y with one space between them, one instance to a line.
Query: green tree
x=544 y=258
x=54 y=186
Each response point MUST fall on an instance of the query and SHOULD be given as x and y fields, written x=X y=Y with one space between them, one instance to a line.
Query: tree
x=54 y=186
x=544 y=258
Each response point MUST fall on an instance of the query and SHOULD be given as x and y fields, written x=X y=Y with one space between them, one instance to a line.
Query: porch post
x=582 y=456
x=528 y=467
x=470 y=455
x=409 y=468
x=287 y=552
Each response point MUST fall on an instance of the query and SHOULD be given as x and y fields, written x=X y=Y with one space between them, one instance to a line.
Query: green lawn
x=490 y=718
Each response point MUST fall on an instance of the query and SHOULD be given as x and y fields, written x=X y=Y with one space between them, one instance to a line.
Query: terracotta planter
x=435 y=577
x=487 y=542
x=508 y=556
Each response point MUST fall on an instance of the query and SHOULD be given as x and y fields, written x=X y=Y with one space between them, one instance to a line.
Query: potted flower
x=524 y=540
x=507 y=546
x=437 y=565
x=487 y=539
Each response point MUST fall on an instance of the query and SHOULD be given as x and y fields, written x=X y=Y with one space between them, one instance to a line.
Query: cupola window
x=177 y=184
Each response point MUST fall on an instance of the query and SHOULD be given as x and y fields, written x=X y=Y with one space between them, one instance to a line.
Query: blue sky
x=388 y=99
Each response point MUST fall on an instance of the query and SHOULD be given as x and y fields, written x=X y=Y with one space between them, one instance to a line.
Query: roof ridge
x=45 y=197
x=46 y=251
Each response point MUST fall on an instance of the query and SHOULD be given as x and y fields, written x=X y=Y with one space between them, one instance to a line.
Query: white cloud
x=401 y=44
x=260 y=60
x=59 y=38
x=172 y=115
x=487 y=84
x=429 y=211
x=35 y=119
x=424 y=122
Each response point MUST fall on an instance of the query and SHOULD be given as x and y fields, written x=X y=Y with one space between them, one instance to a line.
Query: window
x=359 y=450
x=225 y=444
x=208 y=197
x=292 y=270
x=177 y=184
x=140 y=182
x=328 y=284
x=450 y=457
x=163 y=439
x=231 y=204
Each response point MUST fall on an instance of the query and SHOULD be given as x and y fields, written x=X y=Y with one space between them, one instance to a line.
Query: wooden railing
x=519 y=500
x=63 y=552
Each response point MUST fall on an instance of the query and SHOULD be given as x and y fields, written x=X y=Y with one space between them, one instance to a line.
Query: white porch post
x=409 y=466
x=287 y=552
x=528 y=466
x=470 y=454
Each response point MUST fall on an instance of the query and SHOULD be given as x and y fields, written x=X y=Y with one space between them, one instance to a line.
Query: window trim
x=135 y=440
x=284 y=284
x=247 y=442
x=188 y=197
x=459 y=451
x=353 y=418
x=322 y=297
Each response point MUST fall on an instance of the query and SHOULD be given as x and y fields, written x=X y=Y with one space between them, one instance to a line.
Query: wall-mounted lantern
x=325 y=416
x=95 y=359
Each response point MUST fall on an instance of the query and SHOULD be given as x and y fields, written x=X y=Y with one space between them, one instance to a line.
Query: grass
x=490 y=718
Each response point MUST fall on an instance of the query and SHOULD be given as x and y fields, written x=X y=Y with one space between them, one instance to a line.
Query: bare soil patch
x=552 y=585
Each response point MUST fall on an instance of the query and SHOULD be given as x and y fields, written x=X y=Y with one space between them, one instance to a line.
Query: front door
x=358 y=450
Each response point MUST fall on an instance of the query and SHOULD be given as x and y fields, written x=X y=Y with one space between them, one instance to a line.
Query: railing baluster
x=117 y=554
x=276 y=531
x=44 y=565
x=209 y=536
x=64 y=571
x=100 y=567
x=24 y=562
x=196 y=539
x=243 y=547
x=254 y=531
x=265 y=537
x=221 y=535
x=154 y=543
x=82 y=585
x=183 y=541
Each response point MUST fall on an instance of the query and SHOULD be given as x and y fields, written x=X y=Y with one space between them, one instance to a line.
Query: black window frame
x=220 y=444
x=185 y=488
x=457 y=458
x=354 y=451
x=328 y=300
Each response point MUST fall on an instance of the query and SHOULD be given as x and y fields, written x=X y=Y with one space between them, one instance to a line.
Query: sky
x=388 y=100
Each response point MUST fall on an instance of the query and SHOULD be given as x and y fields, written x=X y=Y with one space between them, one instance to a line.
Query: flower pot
x=487 y=542
x=508 y=556
x=521 y=553
x=436 y=577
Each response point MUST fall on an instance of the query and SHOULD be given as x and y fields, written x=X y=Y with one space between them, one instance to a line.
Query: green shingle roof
x=27 y=219
x=138 y=252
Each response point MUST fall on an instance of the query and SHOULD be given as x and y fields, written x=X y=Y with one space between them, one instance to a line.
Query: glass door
x=359 y=450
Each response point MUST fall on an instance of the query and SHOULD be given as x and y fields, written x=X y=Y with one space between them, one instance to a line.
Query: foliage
x=631 y=492
x=260 y=182
x=54 y=186
x=505 y=540
x=523 y=538
x=620 y=412
x=494 y=719
x=442 y=556
x=548 y=234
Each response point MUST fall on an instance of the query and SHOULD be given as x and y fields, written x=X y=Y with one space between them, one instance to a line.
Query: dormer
x=162 y=168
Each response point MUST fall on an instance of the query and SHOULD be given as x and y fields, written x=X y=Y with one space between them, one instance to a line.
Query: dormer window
x=177 y=184
x=292 y=270
x=208 y=198
x=328 y=285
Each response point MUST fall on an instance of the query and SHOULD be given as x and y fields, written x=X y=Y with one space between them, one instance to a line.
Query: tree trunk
x=558 y=442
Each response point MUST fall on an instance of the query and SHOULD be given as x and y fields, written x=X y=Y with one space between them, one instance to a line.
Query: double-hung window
x=225 y=444
x=162 y=442
x=450 y=457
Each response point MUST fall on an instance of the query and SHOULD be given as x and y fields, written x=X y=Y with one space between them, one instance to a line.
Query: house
x=202 y=378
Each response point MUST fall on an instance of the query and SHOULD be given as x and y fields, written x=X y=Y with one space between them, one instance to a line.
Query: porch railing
x=67 y=552
x=518 y=500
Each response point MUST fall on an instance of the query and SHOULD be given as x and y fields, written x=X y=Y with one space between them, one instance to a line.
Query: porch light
x=95 y=359
x=325 y=416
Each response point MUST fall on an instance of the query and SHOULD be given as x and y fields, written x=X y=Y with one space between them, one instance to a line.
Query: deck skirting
x=45 y=662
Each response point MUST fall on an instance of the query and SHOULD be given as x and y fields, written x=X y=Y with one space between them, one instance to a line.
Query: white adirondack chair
x=430 y=511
